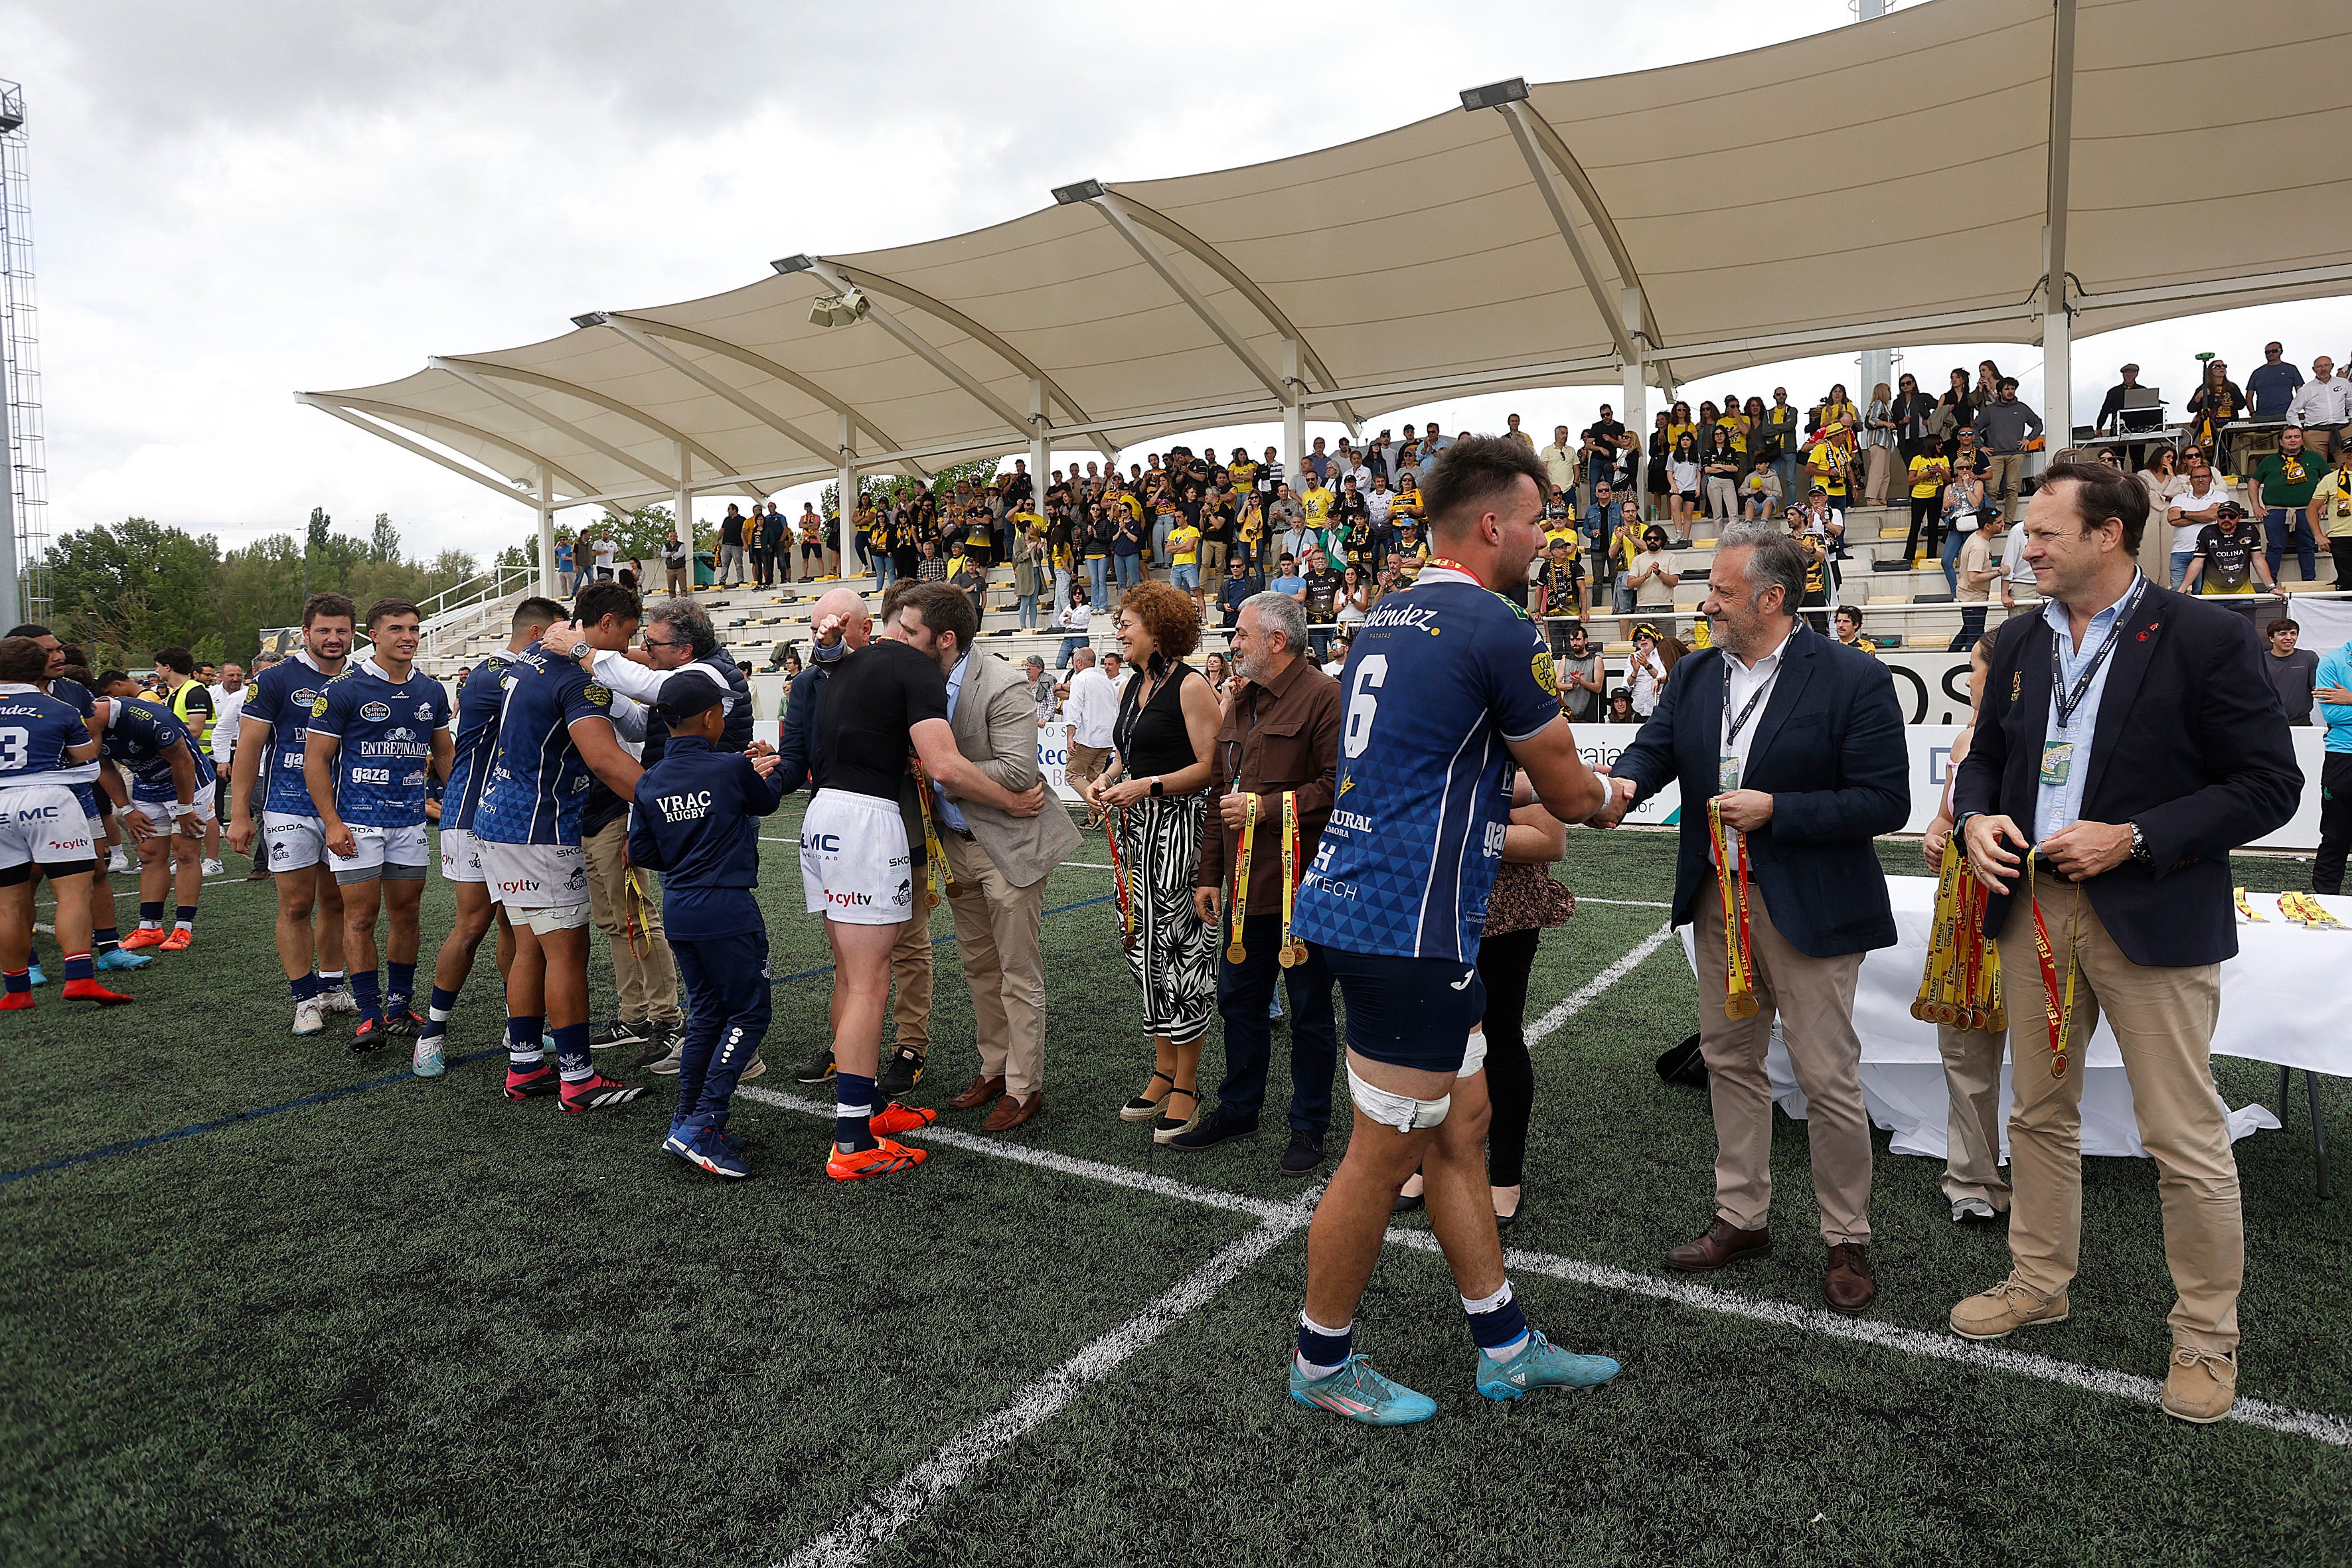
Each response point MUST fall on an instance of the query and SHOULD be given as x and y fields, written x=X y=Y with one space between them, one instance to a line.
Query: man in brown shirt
x=1280 y=733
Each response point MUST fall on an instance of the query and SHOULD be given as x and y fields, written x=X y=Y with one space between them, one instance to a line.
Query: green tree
x=133 y=588
x=321 y=525
x=384 y=539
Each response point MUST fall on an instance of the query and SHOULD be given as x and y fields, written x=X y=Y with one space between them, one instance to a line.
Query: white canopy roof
x=1882 y=183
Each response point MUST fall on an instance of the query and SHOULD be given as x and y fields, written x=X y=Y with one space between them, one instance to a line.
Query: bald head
x=1083 y=659
x=846 y=607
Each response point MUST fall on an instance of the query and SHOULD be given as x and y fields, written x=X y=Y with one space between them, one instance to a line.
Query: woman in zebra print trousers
x=1155 y=790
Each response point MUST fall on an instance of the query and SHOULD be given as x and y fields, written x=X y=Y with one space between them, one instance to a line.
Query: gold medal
x=936 y=858
x=1731 y=885
x=1294 y=952
x=1235 y=951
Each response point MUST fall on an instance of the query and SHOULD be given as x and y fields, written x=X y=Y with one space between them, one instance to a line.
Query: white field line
x=1624 y=903
x=2330 y=1429
x=1584 y=995
x=864 y=1533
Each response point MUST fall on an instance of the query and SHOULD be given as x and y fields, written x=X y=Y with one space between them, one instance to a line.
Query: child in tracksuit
x=695 y=821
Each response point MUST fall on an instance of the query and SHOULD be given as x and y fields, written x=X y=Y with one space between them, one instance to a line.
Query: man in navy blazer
x=1802 y=739
x=2130 y=738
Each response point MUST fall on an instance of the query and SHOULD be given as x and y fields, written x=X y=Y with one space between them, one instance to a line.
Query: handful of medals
x=1293 y=951
x=1961 y=984
x=1731 y=884
x=935 y=870
x=2305 y=910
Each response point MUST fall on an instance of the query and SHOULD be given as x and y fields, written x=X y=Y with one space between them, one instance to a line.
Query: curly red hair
x=1168 y=613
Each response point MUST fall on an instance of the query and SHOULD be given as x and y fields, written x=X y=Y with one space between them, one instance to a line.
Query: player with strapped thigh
x=555 y=728
x=374 y=733
x=271 y=735
x=171 y=797
x=1447 y=684
x=44 y=744
x=479 y=700
x=856 y=870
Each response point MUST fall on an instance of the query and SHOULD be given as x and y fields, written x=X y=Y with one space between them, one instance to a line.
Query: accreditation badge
x=1727 y=772
x=2057 y=761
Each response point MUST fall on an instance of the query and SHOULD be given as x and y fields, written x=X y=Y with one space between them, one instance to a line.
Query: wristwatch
x=2139 y=850
x=1156 y=787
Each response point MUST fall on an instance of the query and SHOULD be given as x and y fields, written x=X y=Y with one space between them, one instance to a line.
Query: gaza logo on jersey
x=374 y=712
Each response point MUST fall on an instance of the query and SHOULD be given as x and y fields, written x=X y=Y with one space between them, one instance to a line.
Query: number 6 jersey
x=1439 y=680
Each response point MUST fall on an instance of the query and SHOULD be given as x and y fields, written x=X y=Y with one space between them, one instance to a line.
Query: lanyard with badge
x=2058 y=756
x=1728 y=762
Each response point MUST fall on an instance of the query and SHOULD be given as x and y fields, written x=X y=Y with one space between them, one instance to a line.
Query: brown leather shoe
x=1723 y=1243
x=1012 y=1111
x=1848 y=1286
x=979 y=1092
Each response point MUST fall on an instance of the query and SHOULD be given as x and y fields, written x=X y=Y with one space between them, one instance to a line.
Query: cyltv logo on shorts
x=848 y=900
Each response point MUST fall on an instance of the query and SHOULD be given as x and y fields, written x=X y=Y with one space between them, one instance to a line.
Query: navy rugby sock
x=853 y=1107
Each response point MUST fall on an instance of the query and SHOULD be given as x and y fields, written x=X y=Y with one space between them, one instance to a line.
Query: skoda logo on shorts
x=375 y=712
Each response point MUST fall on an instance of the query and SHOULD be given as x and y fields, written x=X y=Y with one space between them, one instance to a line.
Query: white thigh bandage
x=1474 y=1055
x=1401 y=1112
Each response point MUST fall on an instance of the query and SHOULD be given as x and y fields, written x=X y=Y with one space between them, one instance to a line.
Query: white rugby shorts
x=385 y=852
x=544 y=886
x=461 y=856
x=295 y=842
x=855 y=867
x=42 y=824
x=159 y=813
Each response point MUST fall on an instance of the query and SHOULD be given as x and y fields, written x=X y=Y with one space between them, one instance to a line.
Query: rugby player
x=1446 y=684
x=271 y=735
x=555 y=729
x=480 y=695
x=855 y=867
x=171 y=796
x=100 y=792
x=43 y=746
x=374 y=732
x=191 y=701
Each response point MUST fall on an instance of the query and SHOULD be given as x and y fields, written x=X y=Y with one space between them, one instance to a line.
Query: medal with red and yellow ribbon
x=2307 y=912
x=1294 y=952
x=1113 y=816
x=1960 y=983
x=1731 y=883
x=935 y=869
x=2057 y=1009
x=1235 y=951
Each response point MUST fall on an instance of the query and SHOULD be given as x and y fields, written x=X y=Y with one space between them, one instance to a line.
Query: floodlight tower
x=1876 y=364
x=24 y=497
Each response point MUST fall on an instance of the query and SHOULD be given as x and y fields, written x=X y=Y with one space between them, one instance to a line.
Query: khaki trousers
x=1814 y=998
x=646 y=977
x=910 y=968
x=1085 y=763
x=1972 y=1123
x=2163 y=1019
x=996 y=927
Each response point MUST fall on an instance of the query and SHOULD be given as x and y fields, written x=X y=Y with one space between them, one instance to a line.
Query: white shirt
x=1379 y=503
x=2196 y=512
x=228 y=708
x=1093 y=705
x=2325 y=402
x=624 y=677
x=2014 y=565
x=1741 y=683
x=604 y=552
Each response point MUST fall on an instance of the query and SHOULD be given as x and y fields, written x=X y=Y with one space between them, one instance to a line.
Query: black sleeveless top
x=1150 y=738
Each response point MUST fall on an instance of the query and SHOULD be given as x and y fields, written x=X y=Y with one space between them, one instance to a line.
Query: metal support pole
x=1636 y=415
x=1039 y=455
x=2057 y=363
x=683 y=516
x=845 y=522
x=11 y=610
x=547 y=534
x=1294 y=414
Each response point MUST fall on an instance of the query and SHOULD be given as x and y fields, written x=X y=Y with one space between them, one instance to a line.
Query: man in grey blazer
x=997 y=863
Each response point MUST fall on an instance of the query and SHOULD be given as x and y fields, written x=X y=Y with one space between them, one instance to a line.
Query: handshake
x=1620 y=801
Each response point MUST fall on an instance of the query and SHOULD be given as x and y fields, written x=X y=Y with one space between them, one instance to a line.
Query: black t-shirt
x=1322 y=595
x=1605 y=434
x=1216 y=525
x=864 y=710
x=2228 y=558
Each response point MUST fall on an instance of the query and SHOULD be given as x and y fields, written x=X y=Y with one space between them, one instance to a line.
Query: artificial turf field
x=400 y=1322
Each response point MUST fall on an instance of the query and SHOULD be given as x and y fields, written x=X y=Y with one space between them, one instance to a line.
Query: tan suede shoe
x=2200 y=1386
x=2008 y=1306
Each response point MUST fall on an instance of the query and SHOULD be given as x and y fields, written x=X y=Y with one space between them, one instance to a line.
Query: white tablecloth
x=2282 y=1002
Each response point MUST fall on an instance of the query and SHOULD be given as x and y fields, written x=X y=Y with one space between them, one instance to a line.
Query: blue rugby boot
x=1360 y=1393
x=1541 y=1364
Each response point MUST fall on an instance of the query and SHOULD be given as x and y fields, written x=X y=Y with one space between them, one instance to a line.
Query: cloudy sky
x=237 y=200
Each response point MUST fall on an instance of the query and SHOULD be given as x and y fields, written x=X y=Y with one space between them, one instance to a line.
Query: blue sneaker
x=1360 y=1393
x=32 y=974
x=714 y=1152
x=119 y=958
x=1541 y=1364
x=426 y=1060
x=681 y=1137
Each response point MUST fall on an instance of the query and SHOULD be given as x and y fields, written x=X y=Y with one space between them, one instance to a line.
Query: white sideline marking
x=1585 y=995
x=1091 y=864
x=2330 y=1429
x=1624 y=903
x=857 y=1537
x=1021 y=1155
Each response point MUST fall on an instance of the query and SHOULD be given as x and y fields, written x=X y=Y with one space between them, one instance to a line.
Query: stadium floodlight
x=592 y=319
x=838 y=310
x=1084 y=191
x=791 y=264
x=1495 y=94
